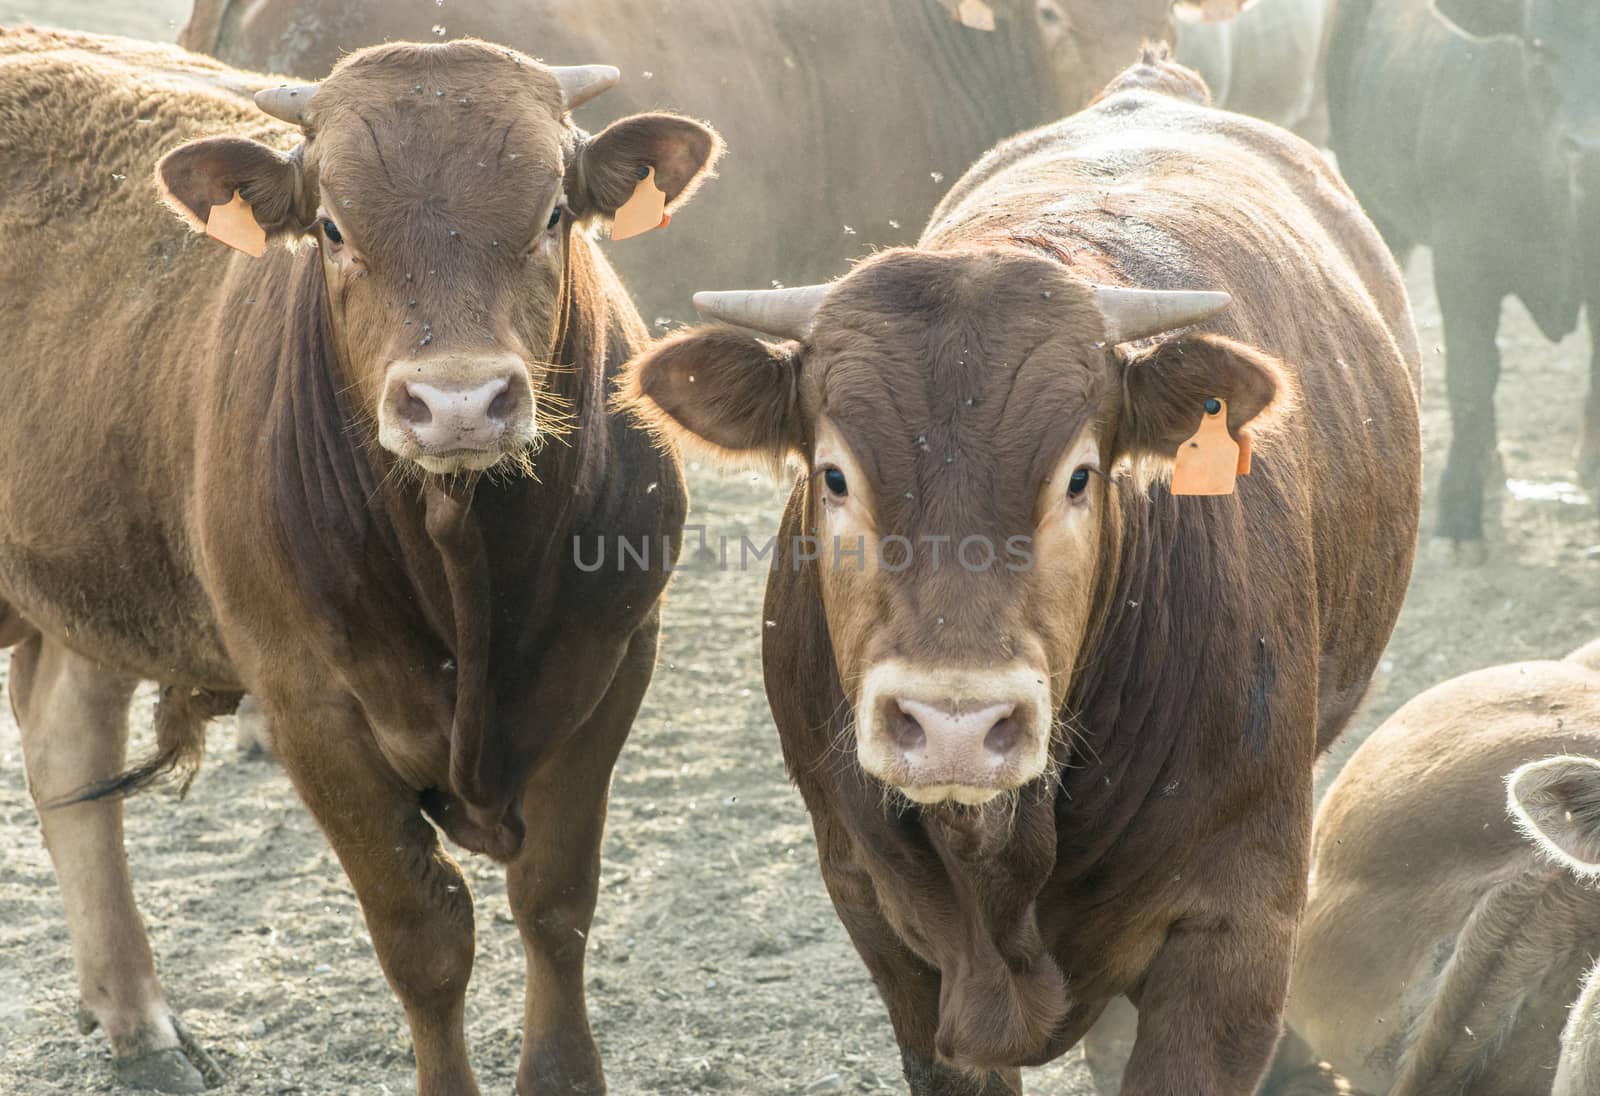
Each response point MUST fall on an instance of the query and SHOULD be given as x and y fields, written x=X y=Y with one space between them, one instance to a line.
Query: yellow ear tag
x=1208 y=462
x=235 y=225
x=975 y=14
x=646 y=209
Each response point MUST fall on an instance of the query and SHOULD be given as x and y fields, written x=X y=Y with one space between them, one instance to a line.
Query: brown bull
x=847 y=117
x=311 y=476
x=1054 y=725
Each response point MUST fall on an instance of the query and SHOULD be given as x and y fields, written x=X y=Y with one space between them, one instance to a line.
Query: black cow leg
x=1589 y=446
x=554 y=880
x=1471 y=313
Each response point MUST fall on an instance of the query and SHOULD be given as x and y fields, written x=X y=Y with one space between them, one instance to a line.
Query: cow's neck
x=452 y=577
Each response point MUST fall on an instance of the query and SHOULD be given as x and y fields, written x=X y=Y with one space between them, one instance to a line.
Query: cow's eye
x=835 y=481
x=555 y=219
x=1078 y=483
x=331 y=231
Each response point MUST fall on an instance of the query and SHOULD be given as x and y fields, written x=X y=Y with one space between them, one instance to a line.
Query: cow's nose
x=971 y=745
x=445 y=418
x=453 y=414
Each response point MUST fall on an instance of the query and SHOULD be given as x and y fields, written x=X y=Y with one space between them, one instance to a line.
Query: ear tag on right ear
x=1208 y=462
x=646 y=209
x=975 y=14
x=235 y=225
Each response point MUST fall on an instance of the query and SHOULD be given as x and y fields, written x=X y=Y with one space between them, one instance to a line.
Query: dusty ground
x=716 y=962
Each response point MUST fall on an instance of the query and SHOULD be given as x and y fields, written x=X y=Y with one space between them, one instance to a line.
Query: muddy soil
x=716 y=963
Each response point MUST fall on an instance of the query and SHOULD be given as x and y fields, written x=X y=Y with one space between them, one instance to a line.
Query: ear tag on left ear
x=1208 y=462
x=235 y=225
x=975 y=14
x=646 y=209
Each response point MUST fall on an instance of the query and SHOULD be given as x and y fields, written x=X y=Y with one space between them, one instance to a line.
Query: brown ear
x=1167 y=387
x=201 y=174
x=610 y=165
x=722 y=390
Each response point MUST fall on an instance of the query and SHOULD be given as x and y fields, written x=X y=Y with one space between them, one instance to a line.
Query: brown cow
x=1056 y=726
x=1440 y=951
x=309 y=476
x=846 y=116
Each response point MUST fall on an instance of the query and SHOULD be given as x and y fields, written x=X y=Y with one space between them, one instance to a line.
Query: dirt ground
x=716 y=963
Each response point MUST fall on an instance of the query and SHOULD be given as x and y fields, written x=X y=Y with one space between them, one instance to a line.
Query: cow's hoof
x=165 y=1070
x=1459 y=553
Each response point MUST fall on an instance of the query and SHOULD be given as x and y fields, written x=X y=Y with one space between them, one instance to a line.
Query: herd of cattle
x=341 y=468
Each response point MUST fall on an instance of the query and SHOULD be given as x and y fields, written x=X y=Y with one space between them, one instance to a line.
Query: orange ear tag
x=975 y=14
x=235 y=225
x=646 y=209
x=1207 y=463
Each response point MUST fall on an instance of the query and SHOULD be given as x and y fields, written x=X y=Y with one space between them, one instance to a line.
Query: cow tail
x=1517 y=931
x=180 y=726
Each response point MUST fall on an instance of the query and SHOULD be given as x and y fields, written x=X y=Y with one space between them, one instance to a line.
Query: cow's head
x=1088 y=42
x=960 y=415
x=440 y=185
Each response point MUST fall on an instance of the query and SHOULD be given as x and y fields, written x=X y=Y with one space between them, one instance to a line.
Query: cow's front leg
x=553 y=882
x=1211 y=1004
x=415 y=900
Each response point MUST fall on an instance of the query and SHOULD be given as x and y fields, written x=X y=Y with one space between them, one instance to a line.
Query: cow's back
x=108 y=302
x=1159 y=192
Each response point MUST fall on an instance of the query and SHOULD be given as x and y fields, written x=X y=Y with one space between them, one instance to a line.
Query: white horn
x=1135 y=313
x=580 y=83
x=287 y=102
x=787 y=313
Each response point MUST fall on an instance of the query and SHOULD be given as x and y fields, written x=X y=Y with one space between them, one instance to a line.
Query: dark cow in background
x=1473 y=126
x=1082 y=770
x=847 y=118
x=310 y=476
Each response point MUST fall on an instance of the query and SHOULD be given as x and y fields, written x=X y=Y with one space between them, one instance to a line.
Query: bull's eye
x=837 y=487
x=331 y=231
x=1078 y=483
x=555 y=219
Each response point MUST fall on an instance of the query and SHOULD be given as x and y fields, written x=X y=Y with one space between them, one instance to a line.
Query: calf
x=321 y=476
x=1440 y=950
x=1055 y=725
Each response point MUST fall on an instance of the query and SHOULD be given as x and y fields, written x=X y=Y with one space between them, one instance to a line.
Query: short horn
x=580 y=83
x=287 y=102
x=787 y=313
x=1136 y=313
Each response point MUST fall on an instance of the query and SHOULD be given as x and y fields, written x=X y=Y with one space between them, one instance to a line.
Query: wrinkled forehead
x=918 y=356
x=461 y=126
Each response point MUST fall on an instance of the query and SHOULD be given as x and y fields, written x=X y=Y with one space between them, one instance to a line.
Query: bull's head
x=960 y=415
x=441 y=185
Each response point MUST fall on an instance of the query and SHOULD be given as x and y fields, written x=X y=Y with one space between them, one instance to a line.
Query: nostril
x=504 y=405
x=413 y=410
x=1004 y=737
x=908 y=733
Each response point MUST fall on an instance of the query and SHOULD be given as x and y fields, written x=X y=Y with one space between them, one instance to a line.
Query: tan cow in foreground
x=847 y=118
x=1056 y=726
x=1441 y=950
x=320 y=476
